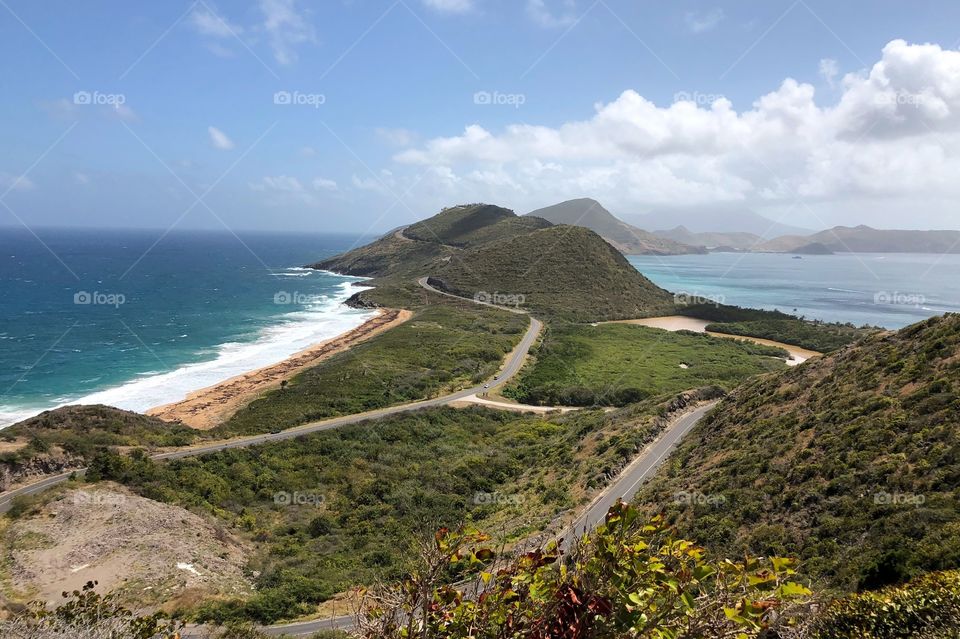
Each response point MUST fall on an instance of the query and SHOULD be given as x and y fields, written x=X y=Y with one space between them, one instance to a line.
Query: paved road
x=625 y=487
x=513 y=364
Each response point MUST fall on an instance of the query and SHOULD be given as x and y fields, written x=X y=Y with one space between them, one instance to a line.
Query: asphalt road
x=624 y=487
x=513 y=364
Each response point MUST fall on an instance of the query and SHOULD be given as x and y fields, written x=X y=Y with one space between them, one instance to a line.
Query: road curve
x=510 y=368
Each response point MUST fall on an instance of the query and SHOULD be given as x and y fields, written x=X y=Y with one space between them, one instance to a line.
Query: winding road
x=624 y=487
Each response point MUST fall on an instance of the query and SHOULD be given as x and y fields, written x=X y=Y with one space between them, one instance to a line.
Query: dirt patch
x=210 y=407
x=153 y=555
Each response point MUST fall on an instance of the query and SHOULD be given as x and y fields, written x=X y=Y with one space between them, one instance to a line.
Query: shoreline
x=683 y=323
x=208 y=407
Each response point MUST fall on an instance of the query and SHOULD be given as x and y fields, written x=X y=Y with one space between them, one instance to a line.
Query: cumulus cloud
x=894 y=132
x=829 y=70
x=324 y=184
x=562 y=13
x=209 y=23
x=219 y=139
x=703 y=21
x=286 y=27
x=450 y=6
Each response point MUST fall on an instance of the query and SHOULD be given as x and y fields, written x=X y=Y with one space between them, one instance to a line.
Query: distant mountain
x=864 y=239
x=712 y=240
x=563 y=271
x=626 y=238
x=715 y=219
x=850 y=462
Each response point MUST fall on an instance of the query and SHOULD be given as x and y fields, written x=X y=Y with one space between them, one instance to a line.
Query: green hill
x=850 y=462
x=567 y=272
x=628 y=239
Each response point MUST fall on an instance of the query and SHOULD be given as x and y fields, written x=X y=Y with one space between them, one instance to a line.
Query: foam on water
x=323 y=318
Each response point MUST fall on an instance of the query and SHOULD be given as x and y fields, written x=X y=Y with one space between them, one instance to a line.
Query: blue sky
x=160 y=114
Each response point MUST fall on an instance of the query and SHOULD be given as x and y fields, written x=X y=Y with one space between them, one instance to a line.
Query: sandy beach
x=211 y=406
x=680 y=323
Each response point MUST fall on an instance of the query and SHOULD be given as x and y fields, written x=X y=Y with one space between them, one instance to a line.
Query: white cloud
x=324 y=184
x=703 y=21
x=829 y=70
x=286 y=27
x=10 y=182
x=450 y=6
x=219 y=139
x=545 y=16
x=893 y=133
x=209 y=23
x=278 y=183
x=397 y=137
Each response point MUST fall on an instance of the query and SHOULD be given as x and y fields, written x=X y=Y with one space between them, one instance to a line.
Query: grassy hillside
x=471 y=225
x=614 y=364
x=393 y=254
x=565 y=272
x=444 y=346
x=369 y=493
x=850 y=462
x=628 y=239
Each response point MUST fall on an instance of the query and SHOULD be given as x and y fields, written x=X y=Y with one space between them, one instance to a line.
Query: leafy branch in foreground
x=628 y=579
x=88 y=615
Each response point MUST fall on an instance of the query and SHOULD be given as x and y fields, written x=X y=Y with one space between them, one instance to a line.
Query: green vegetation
x=814 y=335
x=615 y=364
x=369 y=492
x=444 y=346
x=927 y=607
x=560 y=272
x=563 y=272
x=69 y=437
x=630 y=578
x=850 y=462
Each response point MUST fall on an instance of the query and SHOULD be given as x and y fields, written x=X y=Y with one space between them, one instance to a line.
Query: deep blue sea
x=121 y=318
x=889 y=290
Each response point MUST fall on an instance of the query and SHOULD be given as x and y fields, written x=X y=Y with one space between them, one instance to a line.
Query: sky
x=362 y=115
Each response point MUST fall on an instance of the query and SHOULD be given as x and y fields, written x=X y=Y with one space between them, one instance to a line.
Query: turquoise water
x=119 y=318
x=890 y=290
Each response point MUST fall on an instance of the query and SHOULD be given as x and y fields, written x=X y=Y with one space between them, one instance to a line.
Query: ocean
x=888 y=290
x=120 y=318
